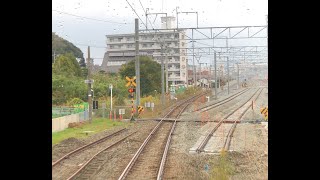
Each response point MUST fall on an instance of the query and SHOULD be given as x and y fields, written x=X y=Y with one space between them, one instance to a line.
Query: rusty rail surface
x=86 y=163
x=206 y=108
x=209 y=135
x=85 y=146
x=137 y=154
x=231 y=130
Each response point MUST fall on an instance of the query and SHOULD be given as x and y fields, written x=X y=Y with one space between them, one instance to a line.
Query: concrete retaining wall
x=61 y=123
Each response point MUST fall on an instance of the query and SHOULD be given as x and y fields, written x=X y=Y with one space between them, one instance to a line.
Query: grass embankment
x=97 y=125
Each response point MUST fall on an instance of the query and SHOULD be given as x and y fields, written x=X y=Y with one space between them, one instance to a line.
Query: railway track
x=86 y=146
x=216 y=104
x=90 y=168
x=226 y=143
x=230 y=133
x=73 y=162
x=149 y=160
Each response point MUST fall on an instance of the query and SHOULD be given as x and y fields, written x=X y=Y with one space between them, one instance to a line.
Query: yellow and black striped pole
x=264 y=111
x=132 y=105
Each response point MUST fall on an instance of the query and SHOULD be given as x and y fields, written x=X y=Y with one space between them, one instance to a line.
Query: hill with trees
x=62 y=46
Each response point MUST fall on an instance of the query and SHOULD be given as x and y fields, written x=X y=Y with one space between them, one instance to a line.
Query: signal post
x=131 y=90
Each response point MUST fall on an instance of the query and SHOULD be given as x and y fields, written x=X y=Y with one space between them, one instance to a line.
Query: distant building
x=121 y=49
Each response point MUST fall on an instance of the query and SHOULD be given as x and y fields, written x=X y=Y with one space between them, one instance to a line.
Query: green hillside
x=62 y=46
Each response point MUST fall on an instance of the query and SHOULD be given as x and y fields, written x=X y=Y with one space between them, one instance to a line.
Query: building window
x=176 y=44
x=183 y=58
x=182 y=36
x=144 y=45
x=182 y=44
x=111 y=46
x=119 y=39
x=129 y=46
x=168 y=44
x=176 y=36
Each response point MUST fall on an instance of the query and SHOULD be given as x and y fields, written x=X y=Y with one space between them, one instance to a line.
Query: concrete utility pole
x=166 y=57
x=110 y=87
x=177 y=16
x=162 y=76
x=238 y=76
x=194 y=67
x=228 y=73
x=89 y=86
x=215 y=76
x=137 y=64
x=54 y=56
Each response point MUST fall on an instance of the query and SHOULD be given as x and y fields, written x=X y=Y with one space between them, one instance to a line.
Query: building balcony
x=173 y=69
x=173 y=78
x=174 y=60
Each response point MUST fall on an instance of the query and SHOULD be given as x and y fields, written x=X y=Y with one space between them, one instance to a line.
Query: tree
x=65 y=89
x=62 y=46
x=150 y=74
x=66 y=65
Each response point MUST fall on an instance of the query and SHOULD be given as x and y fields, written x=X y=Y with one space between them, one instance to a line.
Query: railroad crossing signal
x=264 y=111
x=140 y=109
x=131 y=81
x=131 y=90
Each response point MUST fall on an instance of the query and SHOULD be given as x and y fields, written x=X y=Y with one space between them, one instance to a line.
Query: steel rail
x=87 y=145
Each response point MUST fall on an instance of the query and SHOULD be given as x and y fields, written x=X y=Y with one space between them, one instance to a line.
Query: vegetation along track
x=77 y=159
x=204 y=142
x=149 y=160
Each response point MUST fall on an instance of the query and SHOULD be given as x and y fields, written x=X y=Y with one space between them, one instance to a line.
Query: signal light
x=131 y=90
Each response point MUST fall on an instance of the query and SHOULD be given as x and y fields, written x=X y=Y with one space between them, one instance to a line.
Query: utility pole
x=110 y=87
x=137 y=64
x=54 y=56
x=177 y=16
x=162 y=77
x=194 y=67
x=89 y=86
x=200 y=72
x=238 y=75
x=215 y=76
x=228 y=73
x=166 y=57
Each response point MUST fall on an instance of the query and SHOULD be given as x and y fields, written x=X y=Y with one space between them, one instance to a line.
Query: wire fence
x=59 y=111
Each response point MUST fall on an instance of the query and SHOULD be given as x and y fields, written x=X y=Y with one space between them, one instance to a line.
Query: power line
x=146 y=15
x=89 y=45
x=90 y=18
x=136 y=13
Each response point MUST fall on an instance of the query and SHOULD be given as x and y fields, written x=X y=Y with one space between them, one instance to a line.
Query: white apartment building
x=121 y=49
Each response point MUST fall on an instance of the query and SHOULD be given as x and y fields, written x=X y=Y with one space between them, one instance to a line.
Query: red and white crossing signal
x=131 y=90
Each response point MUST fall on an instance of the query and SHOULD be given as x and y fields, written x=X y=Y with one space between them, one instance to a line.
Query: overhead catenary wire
x=89 y=18
x=136 y=13
x=146 y=14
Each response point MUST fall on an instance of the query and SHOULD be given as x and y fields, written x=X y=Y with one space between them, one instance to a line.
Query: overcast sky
x=118 y=17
